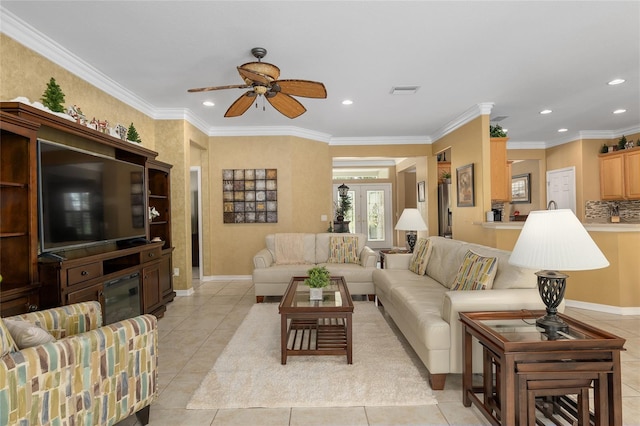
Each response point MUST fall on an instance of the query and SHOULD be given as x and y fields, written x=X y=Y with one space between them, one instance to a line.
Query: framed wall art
x=421 y=191
x=250 y=195
x=465 y=186
x=521 y=189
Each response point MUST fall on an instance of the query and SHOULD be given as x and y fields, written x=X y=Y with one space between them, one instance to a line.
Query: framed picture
x=465 y=187
x=521 y=189
x=421 y=191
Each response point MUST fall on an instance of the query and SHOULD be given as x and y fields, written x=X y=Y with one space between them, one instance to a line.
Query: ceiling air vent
x=404 y=90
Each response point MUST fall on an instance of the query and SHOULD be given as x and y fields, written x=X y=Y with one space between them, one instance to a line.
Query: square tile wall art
x=250 y=195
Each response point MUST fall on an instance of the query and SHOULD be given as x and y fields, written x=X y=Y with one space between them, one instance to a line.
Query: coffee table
x=316 y=327
x=522 y=365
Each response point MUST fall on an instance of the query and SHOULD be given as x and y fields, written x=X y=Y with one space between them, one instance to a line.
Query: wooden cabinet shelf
x=31 y=282
x=620 y=175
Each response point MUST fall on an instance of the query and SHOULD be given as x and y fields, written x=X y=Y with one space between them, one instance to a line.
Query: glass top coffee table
x=316 y=327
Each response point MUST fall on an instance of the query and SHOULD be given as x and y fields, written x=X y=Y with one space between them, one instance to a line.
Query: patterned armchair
x=91 y=374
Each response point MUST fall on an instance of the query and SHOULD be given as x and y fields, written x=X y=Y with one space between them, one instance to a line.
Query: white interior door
x=370 y=213
x=561 y=188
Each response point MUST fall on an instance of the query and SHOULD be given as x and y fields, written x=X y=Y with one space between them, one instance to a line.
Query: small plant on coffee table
x=319 y=277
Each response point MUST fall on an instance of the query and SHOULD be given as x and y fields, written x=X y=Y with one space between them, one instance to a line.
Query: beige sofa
x=427 y=312
x=271 y=277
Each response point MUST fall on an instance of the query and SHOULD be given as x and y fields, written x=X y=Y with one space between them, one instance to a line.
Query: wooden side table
x=521 y=364
x=384 y=252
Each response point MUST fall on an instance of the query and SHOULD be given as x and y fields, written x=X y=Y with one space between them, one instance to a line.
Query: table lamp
x=411 y=221
x=555 y=240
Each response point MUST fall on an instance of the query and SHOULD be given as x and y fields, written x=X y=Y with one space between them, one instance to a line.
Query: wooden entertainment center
x=32 y=280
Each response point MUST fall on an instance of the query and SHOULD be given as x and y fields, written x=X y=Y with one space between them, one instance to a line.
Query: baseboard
x=227 y=278
x=617 y=310
x=182 y=293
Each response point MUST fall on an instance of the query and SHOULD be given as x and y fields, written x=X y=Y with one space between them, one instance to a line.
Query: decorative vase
x=315 y=293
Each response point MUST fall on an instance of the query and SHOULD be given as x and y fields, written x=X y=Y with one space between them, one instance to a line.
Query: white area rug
x=248 y=373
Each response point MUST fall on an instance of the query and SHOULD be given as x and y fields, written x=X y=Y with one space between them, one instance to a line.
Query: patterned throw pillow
x=475 y=272
x=6 y=342
x=343 y=249
x=420 y=257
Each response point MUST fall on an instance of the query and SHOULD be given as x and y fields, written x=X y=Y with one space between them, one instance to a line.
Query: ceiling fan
x=261 y=78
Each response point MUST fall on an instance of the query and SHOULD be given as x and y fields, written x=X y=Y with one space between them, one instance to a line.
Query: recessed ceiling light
x=620 y=111
x=562 y=130
x=347 y=102
x=616 y=81
x=546 y=111
x=208 y=103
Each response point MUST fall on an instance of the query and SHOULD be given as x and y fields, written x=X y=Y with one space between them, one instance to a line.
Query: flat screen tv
x=86 y=199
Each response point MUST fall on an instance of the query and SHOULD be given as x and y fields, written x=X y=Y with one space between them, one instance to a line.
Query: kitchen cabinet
x=620 y=175
x=500 y=170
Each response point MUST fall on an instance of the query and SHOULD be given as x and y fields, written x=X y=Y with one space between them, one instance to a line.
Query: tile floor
x=196 y=329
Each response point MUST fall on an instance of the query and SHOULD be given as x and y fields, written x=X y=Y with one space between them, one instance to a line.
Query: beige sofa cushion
x=445 y=259
x=309 y=244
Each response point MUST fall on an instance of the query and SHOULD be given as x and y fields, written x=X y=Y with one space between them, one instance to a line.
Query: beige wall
x=304 y=194
x=469 y=145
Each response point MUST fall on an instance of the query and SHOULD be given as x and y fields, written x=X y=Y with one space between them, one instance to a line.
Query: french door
x=370 y=212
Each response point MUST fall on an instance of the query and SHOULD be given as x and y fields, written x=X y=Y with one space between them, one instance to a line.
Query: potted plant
x=497 y=131
x=319 y=277
x=446 y=177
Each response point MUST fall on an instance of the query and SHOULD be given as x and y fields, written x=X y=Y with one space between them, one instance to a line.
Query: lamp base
x=551 y=286
x=412 y=237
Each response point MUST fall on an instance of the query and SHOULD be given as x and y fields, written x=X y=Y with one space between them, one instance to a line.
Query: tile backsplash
x=598 y=211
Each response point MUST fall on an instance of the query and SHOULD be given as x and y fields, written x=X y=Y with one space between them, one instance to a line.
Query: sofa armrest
x=397 y=260
x=263 y=259
x=368 y=257
x=482 y=300
x=107 y=374
x=66 y=320
x=489 y=300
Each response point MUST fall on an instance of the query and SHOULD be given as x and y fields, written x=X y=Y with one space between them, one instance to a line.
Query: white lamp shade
x=411 y=220
x=556 y=240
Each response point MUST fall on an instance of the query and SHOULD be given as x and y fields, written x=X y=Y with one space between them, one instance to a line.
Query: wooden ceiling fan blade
x=208 y=89
x=304 y=88
x=252 y=76
x=287 y=105
x=241 y=105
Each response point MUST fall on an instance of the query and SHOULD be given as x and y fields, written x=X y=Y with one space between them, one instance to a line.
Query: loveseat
x=87 y=374
x=425 y=307
x=292 y=254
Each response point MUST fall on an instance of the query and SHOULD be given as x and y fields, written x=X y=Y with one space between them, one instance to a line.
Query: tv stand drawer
x=150 y=255
x=84 y=273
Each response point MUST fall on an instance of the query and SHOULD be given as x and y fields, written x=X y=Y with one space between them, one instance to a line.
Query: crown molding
x=381 y=140
x=483 y=108
x=36 y=41
x=270 y=131
x=526 y=145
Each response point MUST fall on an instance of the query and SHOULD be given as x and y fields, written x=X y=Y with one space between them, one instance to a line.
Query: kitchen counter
x=590 y=226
